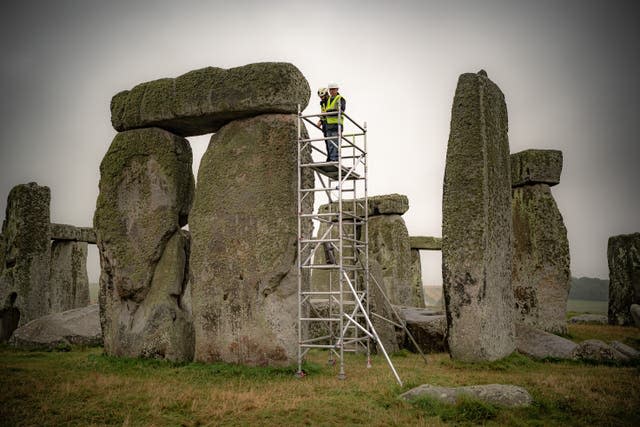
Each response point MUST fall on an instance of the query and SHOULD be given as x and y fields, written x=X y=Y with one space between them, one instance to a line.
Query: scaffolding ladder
x=339 y=310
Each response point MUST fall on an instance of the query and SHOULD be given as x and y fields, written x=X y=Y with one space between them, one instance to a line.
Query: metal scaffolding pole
x=344 y=240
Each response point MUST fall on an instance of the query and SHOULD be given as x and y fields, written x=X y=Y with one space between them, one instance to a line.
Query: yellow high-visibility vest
x=332 y=106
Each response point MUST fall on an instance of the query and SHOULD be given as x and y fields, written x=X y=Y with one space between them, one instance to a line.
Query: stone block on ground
x=539 y=344
x=476 y=224
x=427 y=243
x=427 y=328
x=495 y=394
x=244 y=253
x=146 y=190
x=623 y=254
x=596 y=319
x=80 y=326
x=541 y=276
x=536 y=167
x=68 y=280
x=70 y=232
x=24 y=276
x=598 y=351
x=204 y=100
x=628 y=351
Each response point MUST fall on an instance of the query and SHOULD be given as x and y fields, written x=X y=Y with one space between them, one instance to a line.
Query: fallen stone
x=244 y=253
x=476 y=225
x=628 y=351
x=495 y=394
x=539 y=344
x=146 y=190
x=541 y=276
x=70 y=232
x=427 y=328
x=598 y=351
x=635 y=314
x=623 y=254
x=80 y=326
x=24 y=280
x=427 y=243
x=68 y=280
x=386 y=204
x=597 y=319
x=202 y=101
x=531 y=167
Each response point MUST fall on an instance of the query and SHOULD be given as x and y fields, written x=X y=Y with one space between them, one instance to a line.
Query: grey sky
x=569 y=71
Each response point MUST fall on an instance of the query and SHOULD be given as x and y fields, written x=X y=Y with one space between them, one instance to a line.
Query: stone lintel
x=426 y=243
x=386 y=204
x=530 y=167
x=71 y=232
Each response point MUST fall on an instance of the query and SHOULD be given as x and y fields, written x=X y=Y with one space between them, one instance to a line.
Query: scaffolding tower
x=339 y=309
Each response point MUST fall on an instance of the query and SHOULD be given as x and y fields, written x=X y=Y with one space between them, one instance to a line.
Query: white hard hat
x=333 y=86
x=322 y=92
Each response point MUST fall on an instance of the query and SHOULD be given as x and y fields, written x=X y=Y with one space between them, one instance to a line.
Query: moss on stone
x=623 y=255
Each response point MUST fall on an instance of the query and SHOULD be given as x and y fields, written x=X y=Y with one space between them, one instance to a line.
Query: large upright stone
x=389 y=246
x=541 y=277
x=623 y=253
x=68 y=281
x=202 y=101
x=476 y=224
x=416 y=277
x=146 y=190
x=24 y=278
x=244 y=255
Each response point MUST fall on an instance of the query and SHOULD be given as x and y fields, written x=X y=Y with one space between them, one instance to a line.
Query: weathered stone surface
x=541 y=345
x=389 y=247
x=24 y=278
x=80 y=326
x=630 y=352
x=623 y=253
x=476 y=224
x=68 y=281
x=536 y=167
x=416 y=277
x=427 y=243
x=379 y=304
x=146 y=190
x=427 y=328
x=541 y=277
x=597 y=319
x=495 y=394
x=386 y=204
x=244 y=227
x=598 y=351
x=70 y=232
x=635 y=314
x=202 y=101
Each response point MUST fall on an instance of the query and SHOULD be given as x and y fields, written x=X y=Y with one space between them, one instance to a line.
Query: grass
x=83 y=387
x=578 y=306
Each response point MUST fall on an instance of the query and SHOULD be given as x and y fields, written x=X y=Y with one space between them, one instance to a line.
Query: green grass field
x=584 y=306
x=85 y=388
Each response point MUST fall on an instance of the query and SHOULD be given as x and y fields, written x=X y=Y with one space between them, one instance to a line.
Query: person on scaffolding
x=334 y=124
x=323 y=93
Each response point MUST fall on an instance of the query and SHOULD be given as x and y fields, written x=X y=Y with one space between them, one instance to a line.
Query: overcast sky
x=569 y=71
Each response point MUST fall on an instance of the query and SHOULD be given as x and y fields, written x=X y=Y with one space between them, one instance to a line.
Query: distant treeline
x=591 y=289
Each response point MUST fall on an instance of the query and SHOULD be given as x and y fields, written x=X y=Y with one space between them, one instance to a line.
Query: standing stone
x=202 y=101
x=623 y=253
x=476 y=226
x=244 y=255
x=68 y=281
x=24 y=280
x=541 y=277
x=146 y=191
x=389 y=247
x=416 y=278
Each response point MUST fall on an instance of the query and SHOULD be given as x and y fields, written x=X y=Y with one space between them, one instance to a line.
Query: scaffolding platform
x=331 y=171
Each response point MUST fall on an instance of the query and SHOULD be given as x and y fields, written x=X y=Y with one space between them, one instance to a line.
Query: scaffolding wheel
x=368 y=363
x=331 y=362
x=300 y=374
